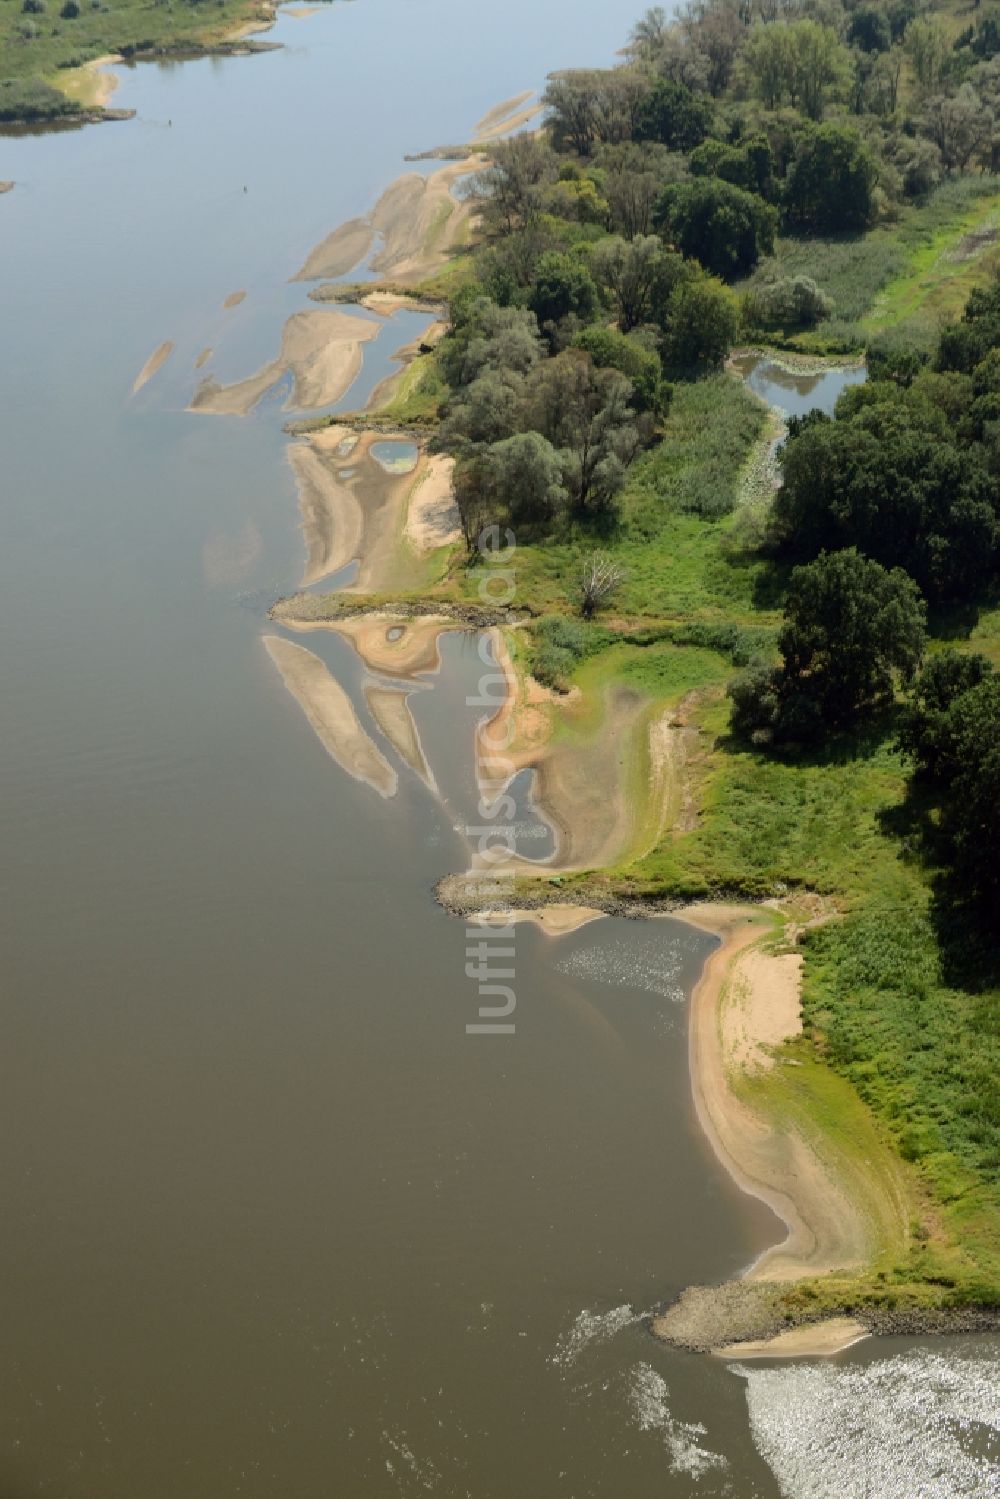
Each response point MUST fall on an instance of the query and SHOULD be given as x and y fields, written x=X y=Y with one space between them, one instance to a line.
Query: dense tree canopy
x=830 y=181
x=675 y=116
x=723 y=227
x=852 y=630
x=892 y=476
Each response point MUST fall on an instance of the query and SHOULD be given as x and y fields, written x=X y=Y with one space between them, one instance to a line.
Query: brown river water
x=274 y=1224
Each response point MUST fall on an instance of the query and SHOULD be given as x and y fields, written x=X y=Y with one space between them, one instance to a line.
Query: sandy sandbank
x=155 y=362
x=416 y=223
x=234 y=299
x=332 y=521
x=340 y=252
x=5 y=187
x=390 y=708
x=320 y=350
x=331 y=714
x=505 y=118
x=818 y=1340
x=203 y=358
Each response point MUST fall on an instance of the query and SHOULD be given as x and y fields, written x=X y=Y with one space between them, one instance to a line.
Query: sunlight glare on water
x=923 y=1425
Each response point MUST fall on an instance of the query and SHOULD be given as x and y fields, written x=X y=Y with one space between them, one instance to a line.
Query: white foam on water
x=591 y=1327
x=652 y=967
x=403 y=1465
x=917 y=1426
x=648 y=1396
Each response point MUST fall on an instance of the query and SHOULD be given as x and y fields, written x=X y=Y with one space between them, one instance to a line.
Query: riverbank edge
x=758 y=1311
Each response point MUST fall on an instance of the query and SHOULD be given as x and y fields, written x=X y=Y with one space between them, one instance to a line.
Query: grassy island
x=49 y=48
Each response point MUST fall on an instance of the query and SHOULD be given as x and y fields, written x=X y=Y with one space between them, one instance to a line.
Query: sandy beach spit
x=331 y=714
x=234 y=299
x=818 y=1340
x=745 y=1002
x=153 y=364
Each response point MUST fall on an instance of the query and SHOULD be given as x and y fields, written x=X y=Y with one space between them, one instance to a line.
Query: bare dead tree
x=600 y=578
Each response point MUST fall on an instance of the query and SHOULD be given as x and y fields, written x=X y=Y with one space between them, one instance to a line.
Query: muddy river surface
x=274 y=1224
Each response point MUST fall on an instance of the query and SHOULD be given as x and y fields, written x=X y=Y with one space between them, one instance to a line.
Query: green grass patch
x=900 y=274
x=678 y=538
x=925 y=1055
x=418 y=394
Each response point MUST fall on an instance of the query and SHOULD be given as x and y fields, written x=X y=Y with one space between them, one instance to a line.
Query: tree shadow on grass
x=966 y=928
x=863 y=742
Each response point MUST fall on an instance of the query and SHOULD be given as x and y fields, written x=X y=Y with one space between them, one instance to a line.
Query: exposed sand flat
x=234 y=299
x=818 y=1340
x=155 y=362
x=332 y=521
x=5 y=187
x=321 y=350
x=331 y=713
x=396 y=647
x=203 y=358
x=300 y=11
x=419 y=222
x=390 y=708
x=340 y=252
x=745 y=1003
x=432 y=518
x=763 y=1008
